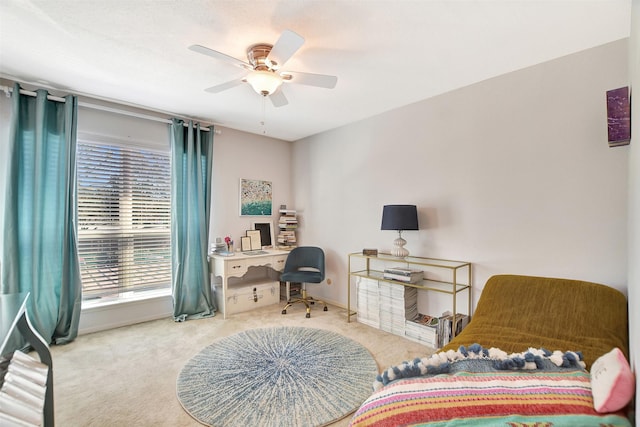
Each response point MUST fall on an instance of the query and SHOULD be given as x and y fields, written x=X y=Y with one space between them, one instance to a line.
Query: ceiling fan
x=264 y=68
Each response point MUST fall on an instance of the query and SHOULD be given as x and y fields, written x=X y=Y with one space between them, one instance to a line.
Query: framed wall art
x=255 y=197
x=618 y=116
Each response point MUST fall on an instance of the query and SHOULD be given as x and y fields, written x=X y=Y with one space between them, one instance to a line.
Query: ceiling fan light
x=264 y=82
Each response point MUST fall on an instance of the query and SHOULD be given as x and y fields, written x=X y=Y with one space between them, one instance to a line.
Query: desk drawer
x=278 y=262
x=228 y=266
x=236 y=267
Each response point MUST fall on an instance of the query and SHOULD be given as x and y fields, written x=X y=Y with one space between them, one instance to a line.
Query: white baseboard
x=335 y=303
x=98 y=316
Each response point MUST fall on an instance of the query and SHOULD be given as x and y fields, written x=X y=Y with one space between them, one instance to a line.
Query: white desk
x=238 y=265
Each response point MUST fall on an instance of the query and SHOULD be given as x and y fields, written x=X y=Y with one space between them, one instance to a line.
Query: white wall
x=242 y=155
x=513 y=174
x=634 y=200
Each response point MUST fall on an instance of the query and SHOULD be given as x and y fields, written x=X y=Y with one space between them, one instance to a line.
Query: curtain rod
x=7 y=90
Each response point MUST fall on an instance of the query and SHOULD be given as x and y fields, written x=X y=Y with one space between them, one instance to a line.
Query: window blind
x=124 y=219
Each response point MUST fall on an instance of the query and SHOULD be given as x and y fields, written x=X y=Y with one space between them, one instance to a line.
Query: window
x=124 y=219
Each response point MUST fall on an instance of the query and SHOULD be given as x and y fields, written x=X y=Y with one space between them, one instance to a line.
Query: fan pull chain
x=264 y=112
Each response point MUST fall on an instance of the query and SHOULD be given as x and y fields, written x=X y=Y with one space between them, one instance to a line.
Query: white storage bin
x=249 y=296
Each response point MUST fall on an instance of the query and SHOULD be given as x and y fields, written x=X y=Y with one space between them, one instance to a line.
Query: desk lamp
x=399 y=217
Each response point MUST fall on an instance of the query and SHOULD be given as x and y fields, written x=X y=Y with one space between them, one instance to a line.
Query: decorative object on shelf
x=255 y=197
x=399 y=217
x=371 y=252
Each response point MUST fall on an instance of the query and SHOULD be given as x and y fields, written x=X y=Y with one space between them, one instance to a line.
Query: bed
x=538 y=351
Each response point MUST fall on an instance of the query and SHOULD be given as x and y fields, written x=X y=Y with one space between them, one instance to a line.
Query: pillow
x=612 y=383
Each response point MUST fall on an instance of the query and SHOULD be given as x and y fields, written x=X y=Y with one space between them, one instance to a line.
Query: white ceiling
x=386 y=53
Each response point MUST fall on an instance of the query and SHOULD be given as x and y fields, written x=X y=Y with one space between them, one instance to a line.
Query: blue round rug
x=282 y=376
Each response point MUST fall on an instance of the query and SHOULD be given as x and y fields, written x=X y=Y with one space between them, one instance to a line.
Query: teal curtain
x=191 y=168
x=40 y=242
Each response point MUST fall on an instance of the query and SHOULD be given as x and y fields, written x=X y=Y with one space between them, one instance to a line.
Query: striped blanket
x=484 y=392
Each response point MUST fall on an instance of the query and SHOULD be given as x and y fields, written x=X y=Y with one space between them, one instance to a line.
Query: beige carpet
x=127 y=376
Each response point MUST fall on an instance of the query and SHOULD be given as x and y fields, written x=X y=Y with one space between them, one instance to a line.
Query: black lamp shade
x=399 y=217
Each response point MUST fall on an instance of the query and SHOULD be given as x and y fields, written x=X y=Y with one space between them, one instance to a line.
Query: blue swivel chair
x=305 y=264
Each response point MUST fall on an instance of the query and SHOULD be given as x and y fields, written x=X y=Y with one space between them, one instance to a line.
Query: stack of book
x=287 y=225
x=367 y=306
x=288 y=221
x=218 y=247
x=287 y=237
x=405 y=275
x=423 y=329
x=22 y=390
x=397 y=304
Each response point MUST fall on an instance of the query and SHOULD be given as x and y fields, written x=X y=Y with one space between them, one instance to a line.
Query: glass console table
x=440 y=275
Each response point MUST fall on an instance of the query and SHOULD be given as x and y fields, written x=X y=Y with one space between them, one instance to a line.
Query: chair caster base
x=284 y=311
x=325 y=309
x=308 y=315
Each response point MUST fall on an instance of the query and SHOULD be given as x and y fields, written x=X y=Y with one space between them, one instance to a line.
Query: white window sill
x=109 y=313
x=128 y=297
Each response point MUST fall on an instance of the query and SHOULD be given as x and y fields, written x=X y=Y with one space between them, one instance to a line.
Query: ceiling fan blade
x=288 y=43
x=309 y=79
x=278 y=99
x=221 y=56
x=224 y=86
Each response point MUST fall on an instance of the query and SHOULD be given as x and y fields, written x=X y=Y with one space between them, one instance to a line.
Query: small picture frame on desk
x=256 y=242
x=266 y=233
x=245 y=244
